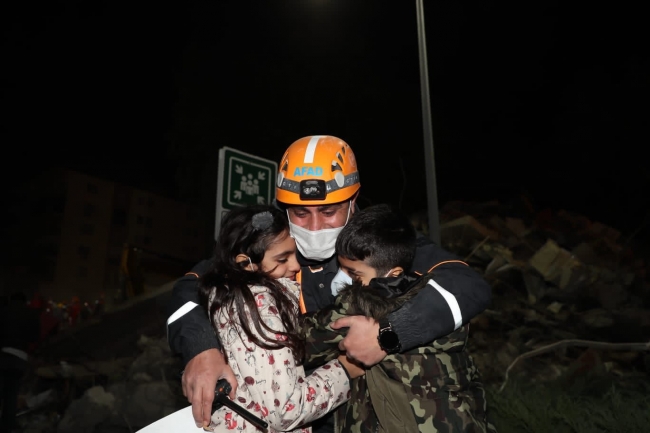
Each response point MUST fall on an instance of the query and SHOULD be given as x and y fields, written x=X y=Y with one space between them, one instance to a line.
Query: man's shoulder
x=428 y=254
x=200 y=268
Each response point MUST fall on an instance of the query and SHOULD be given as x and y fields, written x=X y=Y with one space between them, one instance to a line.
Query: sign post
x=244 y=179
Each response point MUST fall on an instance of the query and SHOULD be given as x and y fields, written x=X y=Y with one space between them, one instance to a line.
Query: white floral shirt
x=270 y=384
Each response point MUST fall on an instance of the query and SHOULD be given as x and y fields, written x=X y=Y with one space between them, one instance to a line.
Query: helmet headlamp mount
x=313 y=189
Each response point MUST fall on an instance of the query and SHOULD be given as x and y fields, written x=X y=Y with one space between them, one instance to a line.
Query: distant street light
x=429 y=160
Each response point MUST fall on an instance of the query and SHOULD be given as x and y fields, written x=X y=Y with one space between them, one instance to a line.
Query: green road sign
x=244 y=179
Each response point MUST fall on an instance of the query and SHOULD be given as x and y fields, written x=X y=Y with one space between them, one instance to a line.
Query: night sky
x=545 y=98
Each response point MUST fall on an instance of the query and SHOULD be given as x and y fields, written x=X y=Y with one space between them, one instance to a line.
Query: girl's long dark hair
x=230 y=281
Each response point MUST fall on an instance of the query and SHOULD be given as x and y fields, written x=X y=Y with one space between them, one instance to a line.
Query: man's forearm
x=456 y=294
x=189 y=331
x=192 y=335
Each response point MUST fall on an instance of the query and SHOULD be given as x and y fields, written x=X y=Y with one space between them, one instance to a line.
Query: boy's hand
x=200 y=379
x=361 y=342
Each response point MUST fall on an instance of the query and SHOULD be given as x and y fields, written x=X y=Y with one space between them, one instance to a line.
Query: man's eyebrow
x=330 y=206
x=319 y=208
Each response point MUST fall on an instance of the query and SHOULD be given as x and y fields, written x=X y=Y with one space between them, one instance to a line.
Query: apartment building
x=76 y=235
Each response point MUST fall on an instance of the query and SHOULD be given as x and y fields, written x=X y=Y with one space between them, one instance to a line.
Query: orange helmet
x=315 y=170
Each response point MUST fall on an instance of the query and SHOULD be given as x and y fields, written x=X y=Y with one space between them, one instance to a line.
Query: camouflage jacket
x=434 y=388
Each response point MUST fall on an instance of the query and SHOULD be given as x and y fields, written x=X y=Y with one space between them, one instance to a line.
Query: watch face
x=388 y=340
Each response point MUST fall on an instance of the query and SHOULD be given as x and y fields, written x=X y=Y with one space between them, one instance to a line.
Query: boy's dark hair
x=381 y=235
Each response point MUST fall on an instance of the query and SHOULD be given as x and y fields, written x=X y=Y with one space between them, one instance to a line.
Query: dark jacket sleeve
x=456 y=295
x=189 y=331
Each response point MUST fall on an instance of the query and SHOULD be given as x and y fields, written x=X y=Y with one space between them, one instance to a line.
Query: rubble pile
x=120 y=395
x=572 y=291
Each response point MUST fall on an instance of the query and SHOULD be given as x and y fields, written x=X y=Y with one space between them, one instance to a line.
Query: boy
x=432 y=388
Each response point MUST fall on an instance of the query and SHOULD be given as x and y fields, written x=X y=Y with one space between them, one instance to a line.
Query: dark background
x=548 y=98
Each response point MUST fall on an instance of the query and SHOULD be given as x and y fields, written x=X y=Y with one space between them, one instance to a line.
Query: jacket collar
x=393 y=287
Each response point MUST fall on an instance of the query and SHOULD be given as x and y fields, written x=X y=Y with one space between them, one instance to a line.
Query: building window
x=150 y=202
x=149 y=222
x=119 y=217
x=140 y=201
x=139 y=219
x=87 y=229
x=92 y=188
x=83 y=252
x=147 y=240
x=89 y=210
x=83 y=271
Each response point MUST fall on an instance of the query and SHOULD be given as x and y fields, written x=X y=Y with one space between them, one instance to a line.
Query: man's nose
x=315 y=223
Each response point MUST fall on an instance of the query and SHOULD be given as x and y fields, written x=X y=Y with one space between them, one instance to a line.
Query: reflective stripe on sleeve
x=181 y=312
x=452 y=302
x=15 y=352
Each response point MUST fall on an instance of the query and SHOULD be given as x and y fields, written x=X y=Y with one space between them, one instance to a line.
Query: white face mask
x=318 y=244
x=341 y=279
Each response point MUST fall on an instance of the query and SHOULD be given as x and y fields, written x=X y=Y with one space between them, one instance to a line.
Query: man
x=318 y=185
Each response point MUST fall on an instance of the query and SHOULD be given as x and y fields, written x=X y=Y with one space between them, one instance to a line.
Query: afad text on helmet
x=308 y=171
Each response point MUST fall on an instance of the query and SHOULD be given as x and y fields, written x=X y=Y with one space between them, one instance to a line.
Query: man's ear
x=353 y=201
x=396 y=271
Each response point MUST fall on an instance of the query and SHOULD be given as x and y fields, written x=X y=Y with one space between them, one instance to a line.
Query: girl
x=251 y=294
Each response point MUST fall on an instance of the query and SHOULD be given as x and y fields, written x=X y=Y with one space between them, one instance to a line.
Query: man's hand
x=200 y=380
x=361 y=341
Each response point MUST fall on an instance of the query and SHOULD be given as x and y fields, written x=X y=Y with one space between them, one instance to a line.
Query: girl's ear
x=245 y=262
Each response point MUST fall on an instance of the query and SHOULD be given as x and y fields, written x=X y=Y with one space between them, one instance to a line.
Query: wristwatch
x=388 y=339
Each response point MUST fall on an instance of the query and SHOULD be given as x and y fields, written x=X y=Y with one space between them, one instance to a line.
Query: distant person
x=251 y=295
x=74 y=311
x=99 y=309
x=19 y=331
x=432 y=388
x=317 y=187
x=50 y=320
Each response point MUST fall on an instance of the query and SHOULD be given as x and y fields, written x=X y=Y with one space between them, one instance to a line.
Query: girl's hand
x=353 y=369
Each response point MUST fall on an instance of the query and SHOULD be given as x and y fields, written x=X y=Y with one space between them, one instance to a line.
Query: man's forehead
x=317 y=208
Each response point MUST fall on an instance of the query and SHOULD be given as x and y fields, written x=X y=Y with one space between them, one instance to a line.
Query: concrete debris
x=555 y=276
x=131 y=394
